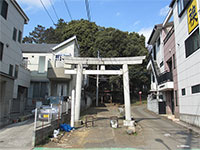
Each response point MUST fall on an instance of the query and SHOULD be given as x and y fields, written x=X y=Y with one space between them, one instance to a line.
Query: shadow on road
x=141 y=119
x=161 y=141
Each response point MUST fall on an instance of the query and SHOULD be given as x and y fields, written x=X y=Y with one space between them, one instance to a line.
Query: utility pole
x=97 y=84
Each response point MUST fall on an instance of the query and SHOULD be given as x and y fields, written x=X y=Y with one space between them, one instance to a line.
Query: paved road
x=159 y=133
x=153 y=133
x=17 y=136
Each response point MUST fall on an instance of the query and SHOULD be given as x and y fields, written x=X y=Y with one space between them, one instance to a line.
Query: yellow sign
x=192 y=16
x=46 y=116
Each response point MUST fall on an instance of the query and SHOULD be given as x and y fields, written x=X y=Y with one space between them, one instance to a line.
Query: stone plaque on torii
x=79 y=71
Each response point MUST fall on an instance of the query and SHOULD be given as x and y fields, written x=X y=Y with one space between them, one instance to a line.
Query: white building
x=47 y=68
x=14 y=77
x=186 y=23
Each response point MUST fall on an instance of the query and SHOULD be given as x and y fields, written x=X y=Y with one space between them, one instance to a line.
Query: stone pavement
x=153 y=133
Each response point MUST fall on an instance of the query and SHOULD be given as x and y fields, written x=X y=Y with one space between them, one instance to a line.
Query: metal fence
x=49 y=118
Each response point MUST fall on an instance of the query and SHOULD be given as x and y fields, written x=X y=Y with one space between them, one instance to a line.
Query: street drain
x=1 y=141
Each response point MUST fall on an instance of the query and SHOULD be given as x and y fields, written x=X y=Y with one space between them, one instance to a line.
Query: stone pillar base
x=129 y=123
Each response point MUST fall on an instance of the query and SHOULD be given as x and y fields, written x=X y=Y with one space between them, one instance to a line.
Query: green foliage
x=110 y=42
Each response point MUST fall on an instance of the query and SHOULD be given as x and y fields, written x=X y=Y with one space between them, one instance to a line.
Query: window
x=154 y=52
x=16 y=71
x=4 y=8
x=176 y=97
x=40 y=89
x=11 y=70
x=174 y=61
x=19 y=36
x=196 y=89
x=161 y=64
x=14 y=34
x=192 y=44
x=183 y=92
x=182 y=4
x=158 y=42
x=41 y=66
x=153 y=78
x=1 y=51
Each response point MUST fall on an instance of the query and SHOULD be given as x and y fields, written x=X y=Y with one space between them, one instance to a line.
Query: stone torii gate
x=79 y=71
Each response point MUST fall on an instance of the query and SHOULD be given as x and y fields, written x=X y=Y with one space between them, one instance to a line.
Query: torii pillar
x=78 y=91
x=127 y=101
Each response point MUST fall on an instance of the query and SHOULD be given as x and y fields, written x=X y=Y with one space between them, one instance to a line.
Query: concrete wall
x=43 y=133
x=12 y=55
x=152 y=105
x=6 y=90
x=188 y=69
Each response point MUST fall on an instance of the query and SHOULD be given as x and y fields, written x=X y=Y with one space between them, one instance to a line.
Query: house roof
x=65 y=42
x=26 y=19
x=37 y=48
x=156 y=30
x=172 y=3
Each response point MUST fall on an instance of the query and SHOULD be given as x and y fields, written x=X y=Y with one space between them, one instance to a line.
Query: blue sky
x=127 y=15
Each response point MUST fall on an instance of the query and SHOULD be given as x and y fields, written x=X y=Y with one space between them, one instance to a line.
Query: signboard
x=192 y=16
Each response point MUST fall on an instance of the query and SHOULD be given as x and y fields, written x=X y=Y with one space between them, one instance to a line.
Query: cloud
x=136 y=23
x=164 y=11
x=35 y=4
x=118 y=14
x=146 y=32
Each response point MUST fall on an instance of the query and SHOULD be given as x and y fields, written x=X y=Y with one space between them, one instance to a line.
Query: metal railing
x=165 y=77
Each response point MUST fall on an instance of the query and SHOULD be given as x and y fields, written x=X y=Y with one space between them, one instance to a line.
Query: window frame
x=188 y=43
x=14 y=34
x=16 y=71
x=183 y=6
x=183 y=92
x=195 y=89
x=1 y=50
x=4 y=12
x=19 y=36
x=10 y=70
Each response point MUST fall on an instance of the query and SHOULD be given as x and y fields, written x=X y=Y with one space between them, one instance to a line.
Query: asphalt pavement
x=17 y=136
x=153 y=133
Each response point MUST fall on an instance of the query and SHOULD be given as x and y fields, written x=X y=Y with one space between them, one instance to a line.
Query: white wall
x=12 y=54
x=33 y=64
x=188 y=69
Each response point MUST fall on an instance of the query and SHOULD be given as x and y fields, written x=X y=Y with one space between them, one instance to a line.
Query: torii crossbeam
x=79 y=71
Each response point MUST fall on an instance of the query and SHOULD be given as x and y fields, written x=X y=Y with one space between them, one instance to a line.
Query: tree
x=36 y=36
x=110 y=42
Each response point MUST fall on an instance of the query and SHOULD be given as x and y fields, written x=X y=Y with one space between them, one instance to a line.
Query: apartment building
x=45 y=61
x=162 y=65
x=179 y=84
x=14 y=76
x=186 y=14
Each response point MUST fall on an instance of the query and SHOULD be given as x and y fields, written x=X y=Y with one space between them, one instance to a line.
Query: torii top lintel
x=105 y=61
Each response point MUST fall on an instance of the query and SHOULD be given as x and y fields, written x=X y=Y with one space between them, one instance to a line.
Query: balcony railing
x=165 y=77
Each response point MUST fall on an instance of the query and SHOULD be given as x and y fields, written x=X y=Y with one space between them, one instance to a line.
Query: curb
x=180 y=123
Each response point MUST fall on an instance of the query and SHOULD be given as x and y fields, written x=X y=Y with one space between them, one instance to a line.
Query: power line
x=54 y=9
x=68 y=9
x=88 y=9
x=47 y=12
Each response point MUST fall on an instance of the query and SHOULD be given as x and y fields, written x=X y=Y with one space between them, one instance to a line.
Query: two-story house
x=47 y=66
x=14 y=77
